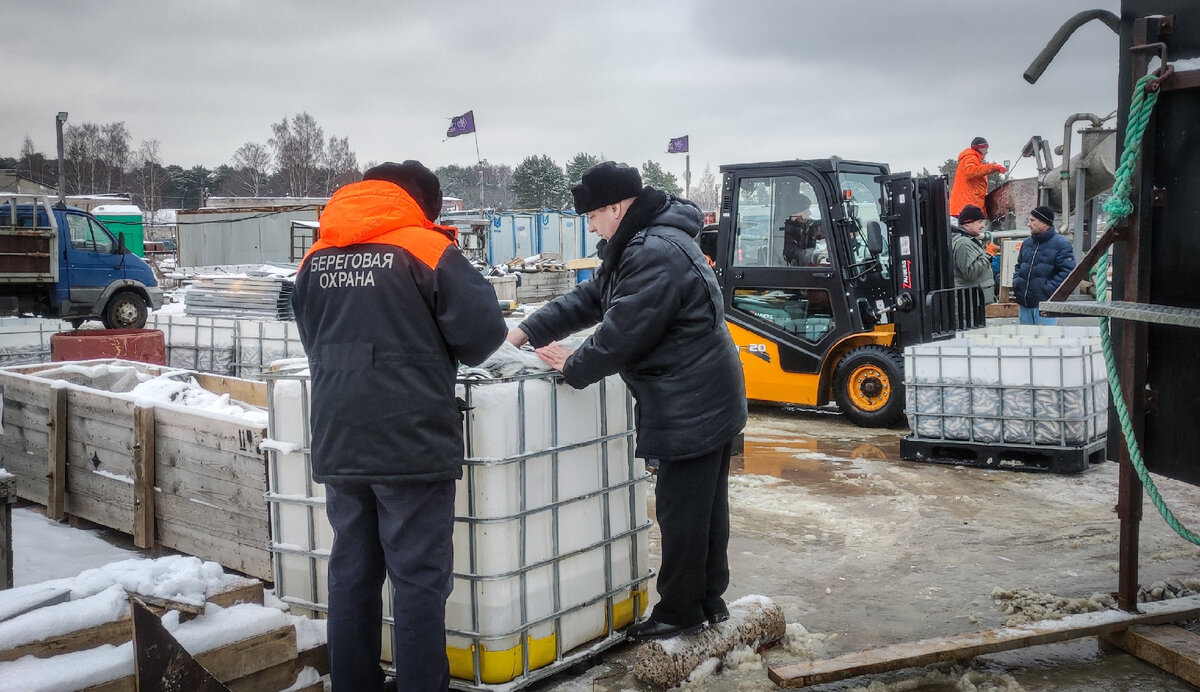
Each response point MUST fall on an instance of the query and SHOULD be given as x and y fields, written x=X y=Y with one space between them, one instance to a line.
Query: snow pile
x=1158 y=591
x=1026 y=605
x=99 y=596
x=177 y=387
x=953 y=677
x=170 y=388
x=218 y=627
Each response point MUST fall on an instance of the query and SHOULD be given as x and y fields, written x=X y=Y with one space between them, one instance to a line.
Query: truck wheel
x=869 y=386
x=125 y=310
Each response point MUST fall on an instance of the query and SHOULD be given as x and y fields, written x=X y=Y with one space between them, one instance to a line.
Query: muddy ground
x=862 y=549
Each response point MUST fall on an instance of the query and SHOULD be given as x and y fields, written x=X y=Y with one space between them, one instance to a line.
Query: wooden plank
x=227 y=494
x=56 y=456
x=253 y=560
x=11 y=606
x=249 y=656
x=942 y=649
x=243 y=468
x=181 y=511
x=1171 y=648
x=99 y=498
x=116 y=632
x=278 y=677
x=232 y=661
x=247 y=391
x=209 y=431
x=165 y=604
x=143 y=477
x=240 y=591
x=8 y=495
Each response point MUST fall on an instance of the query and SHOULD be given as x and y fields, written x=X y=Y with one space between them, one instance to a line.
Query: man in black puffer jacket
x=662 y=327
x=1045 y=261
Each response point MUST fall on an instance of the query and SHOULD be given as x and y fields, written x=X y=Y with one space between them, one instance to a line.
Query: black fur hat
x=970 y=213
x=1044 y=214
x=416 y=179
x=978 y=142
x=606 y=183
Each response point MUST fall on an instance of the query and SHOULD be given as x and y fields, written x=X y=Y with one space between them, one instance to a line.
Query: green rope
x=1118 y=207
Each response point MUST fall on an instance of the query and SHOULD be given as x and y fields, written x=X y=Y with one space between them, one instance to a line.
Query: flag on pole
x=462 y=124
x=679 y=145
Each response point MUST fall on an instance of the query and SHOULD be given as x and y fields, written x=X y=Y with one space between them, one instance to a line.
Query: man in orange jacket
x=970 y=180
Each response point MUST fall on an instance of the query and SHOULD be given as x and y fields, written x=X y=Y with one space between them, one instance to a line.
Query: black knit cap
x=606 y=183
x=416 y=179
x=971 y=213
x=979 y=142
x=1044 y=214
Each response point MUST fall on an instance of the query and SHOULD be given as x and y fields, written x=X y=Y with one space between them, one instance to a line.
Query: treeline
x=297 y=161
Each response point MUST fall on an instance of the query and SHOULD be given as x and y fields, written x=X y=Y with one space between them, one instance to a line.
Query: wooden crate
x=538 y=286
x=167 y=474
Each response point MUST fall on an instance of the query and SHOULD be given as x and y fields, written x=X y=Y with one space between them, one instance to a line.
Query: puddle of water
x=819 y=464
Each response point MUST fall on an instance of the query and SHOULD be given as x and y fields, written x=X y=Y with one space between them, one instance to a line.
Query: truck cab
x=60 y=261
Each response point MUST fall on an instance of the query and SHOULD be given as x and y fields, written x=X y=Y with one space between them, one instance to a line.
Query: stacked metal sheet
x=267 y=296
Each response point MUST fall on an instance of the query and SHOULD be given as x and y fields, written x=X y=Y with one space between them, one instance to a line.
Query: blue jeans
x=1032 y=316
x=403 y=531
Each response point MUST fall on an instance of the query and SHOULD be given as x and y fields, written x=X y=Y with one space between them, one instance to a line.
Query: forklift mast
x=927 y=305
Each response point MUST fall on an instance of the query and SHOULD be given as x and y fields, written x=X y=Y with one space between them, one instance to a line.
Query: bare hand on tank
x=554 y=355
x=517 y=337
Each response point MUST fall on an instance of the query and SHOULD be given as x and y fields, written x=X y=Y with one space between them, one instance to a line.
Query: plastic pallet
x=1008 y=457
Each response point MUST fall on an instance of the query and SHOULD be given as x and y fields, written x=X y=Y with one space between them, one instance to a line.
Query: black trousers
x=403 y=531
x=692 y=507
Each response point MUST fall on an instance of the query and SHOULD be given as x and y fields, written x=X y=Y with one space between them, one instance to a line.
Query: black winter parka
x=661 y=327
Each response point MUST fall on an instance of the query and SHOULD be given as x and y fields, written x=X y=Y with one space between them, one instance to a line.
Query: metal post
x=1133 y=335
x=62 y=177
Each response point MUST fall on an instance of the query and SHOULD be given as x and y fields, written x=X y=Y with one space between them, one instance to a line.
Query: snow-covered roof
x=131 y=209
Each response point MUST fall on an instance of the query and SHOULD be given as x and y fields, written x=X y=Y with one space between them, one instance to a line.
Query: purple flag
x=679 y=145
x=462 y=124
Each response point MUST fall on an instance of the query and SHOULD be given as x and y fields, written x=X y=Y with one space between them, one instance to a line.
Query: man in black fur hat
x=662 y=328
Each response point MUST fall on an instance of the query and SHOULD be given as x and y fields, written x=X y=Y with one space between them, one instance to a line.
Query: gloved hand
x=999 y=168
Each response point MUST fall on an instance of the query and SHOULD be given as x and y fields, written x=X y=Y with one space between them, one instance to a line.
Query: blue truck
x=60 y=261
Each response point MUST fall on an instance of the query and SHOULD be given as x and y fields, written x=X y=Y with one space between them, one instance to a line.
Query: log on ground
x=753 y=621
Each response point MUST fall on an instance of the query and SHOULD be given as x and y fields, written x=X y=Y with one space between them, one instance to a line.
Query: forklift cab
x=828 y=268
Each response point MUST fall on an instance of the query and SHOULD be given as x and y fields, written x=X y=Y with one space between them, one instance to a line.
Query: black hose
x=1042 y=61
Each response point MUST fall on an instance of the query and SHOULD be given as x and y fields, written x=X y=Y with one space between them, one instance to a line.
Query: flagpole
x=687 y=176
x=479 y=160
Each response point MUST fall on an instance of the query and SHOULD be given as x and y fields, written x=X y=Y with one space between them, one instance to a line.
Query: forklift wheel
x=869 y=386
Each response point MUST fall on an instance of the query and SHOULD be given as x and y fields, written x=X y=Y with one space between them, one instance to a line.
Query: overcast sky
x=907 y=83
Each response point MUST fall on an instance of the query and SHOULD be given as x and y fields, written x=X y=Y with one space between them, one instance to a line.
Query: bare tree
x=27 y=153
x=114 y=151
x=150 y=176
x=341 y=165
x=81 y=144
x=299 y=147
x=252 y=162
x=706 y=193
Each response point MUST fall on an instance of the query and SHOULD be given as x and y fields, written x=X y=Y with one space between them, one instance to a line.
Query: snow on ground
x=99 y=595
x=44 y=549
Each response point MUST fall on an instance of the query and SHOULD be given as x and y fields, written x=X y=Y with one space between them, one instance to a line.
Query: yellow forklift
x=829 y=268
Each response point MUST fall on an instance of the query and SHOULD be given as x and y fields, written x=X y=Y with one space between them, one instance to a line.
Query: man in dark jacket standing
x=662 y=327
x=1045 y=261
x=387 y=306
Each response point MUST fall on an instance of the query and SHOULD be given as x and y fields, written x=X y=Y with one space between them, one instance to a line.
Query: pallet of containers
x=1017 y=396
x=550 y=536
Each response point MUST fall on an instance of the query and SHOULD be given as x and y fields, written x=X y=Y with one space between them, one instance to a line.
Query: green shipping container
x=127 y=219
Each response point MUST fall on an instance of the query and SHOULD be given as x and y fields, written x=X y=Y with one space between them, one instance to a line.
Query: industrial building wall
x=239 y=236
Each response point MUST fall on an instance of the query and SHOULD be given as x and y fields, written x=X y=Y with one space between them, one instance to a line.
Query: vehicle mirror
x=120 y=243
x=874 y=237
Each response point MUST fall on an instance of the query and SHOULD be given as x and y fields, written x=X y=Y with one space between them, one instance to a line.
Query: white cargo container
x=550 y=536
x=1014 y=387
